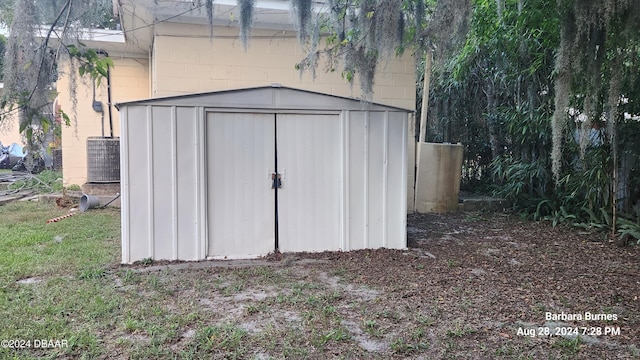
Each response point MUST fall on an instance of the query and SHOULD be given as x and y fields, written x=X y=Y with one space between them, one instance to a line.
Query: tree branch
x=45 y=44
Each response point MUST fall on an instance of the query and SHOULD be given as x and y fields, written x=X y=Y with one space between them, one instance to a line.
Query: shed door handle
x=276 y=181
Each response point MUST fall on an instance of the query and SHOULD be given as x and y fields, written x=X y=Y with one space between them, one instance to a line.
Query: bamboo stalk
x=614 y=180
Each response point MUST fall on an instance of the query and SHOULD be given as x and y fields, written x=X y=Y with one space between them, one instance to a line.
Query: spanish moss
x=302 y=11
x=592 y=36
x=28 y=72
x=448 y=26
x=387 y=24
x=209 y=6
x=30 y=61
x=362 y=61
x=246 y=19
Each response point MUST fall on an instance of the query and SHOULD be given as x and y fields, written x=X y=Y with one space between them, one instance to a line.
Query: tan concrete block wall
x=129 y=81
x=186 y=60
x=10 y=131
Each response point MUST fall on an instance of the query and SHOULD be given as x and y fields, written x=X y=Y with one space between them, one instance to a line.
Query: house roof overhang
x=111 y=41
x=139 y=17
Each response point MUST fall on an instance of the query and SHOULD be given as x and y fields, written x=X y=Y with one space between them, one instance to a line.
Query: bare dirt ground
x=470 y=287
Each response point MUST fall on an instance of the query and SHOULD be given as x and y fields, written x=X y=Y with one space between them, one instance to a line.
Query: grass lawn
x=53 y=278
x=62 y=281
x=465 y=290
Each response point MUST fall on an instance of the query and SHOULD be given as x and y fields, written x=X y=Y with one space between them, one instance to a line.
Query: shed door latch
x=276 y=181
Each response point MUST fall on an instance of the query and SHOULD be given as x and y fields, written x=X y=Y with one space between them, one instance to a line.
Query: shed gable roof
x=274 y=97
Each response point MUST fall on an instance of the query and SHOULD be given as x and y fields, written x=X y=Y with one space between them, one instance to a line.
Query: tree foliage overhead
x=494 y=94
x=355 y=36
x=361 y=34
x=29 y=69
x=31 y=55
x=597 y=68
x=598 y=53
x=545 y=95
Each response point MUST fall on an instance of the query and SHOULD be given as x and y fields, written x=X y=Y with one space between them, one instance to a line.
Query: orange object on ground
x=56 y=219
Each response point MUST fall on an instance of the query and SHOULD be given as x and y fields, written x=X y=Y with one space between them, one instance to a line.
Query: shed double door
x=251 y=213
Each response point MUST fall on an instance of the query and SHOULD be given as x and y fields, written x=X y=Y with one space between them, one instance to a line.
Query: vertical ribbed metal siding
x=160 y=215
x=240 y=201
x=165 y=183
x=376 y=178
x=310 y=156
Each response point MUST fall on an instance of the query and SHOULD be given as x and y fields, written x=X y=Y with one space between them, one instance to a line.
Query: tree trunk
x=425 y=97
x=612 y=128
x=491 y=120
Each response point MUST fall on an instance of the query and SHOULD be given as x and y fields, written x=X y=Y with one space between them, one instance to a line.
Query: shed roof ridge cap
x=270 y=87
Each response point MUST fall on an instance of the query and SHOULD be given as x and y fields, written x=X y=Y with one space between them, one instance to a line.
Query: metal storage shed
x=240 y=173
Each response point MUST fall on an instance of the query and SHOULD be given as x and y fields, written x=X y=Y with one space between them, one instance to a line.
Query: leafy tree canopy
x=356 y=34
x=545 y=94
x=30 y=55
